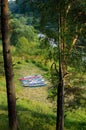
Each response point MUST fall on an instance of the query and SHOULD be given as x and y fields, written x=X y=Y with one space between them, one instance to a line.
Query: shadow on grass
x=75 y=125
x=3 y=107
x=35 y=120
x=4 y=120
x=32 y=120
x=28 y=119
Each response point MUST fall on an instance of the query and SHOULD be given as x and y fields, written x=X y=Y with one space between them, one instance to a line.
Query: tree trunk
x=60 y=102
x=60 y=87
x=8 y=66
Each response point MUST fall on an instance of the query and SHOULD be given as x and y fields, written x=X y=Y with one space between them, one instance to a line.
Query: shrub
x=22 y=46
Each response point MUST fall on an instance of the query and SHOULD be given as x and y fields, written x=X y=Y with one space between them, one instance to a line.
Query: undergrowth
x=33 y=114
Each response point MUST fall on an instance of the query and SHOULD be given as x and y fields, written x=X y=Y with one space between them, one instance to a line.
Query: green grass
x=76 y=120
x=34 y=111
x=3 y=120
x=34 y=116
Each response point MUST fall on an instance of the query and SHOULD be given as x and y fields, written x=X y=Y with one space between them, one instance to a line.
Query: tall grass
x=76 y=120
x=33 y=114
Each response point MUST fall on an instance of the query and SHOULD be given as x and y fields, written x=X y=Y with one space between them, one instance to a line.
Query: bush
x=22 y=46
x=21 y=30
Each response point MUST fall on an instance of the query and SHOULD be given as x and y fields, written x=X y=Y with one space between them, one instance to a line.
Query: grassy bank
x=34 y=110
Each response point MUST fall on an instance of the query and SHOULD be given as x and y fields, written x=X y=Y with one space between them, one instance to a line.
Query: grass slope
x=34 y=110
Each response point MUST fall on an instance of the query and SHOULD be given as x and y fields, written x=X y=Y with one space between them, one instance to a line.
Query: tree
x=8 y=66
x=70 y=25
x=22 y=46
x=19 y=29
x=66 y=19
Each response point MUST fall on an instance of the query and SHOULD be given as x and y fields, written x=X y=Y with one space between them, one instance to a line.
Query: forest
x=42 y=65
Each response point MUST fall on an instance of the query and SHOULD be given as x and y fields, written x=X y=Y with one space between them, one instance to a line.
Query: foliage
x=54 y=80
x=19 y=29
x=50 y=45
x=72 y=26
x=73 y=29
x=22 y=46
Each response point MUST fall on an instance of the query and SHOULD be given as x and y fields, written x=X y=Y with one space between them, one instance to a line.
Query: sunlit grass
x=33 y=109
x=35 y=116
x=76 y=120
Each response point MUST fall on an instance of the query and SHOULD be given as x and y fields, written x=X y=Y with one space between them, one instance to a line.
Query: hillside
x=31 y=101
x=58 y=54
x=34 y=110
